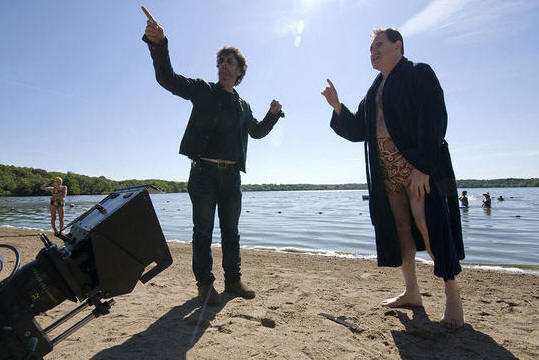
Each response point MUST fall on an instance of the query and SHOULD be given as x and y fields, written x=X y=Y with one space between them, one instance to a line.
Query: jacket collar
x=220 y=87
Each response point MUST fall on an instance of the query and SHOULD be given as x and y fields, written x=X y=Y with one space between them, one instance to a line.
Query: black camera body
x=109 y=248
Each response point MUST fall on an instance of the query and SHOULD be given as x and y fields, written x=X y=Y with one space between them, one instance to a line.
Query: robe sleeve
x=350 y=126
x=432 y=120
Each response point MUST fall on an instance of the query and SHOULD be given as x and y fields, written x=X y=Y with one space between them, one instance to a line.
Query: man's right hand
x=330 y=93
x=154 y=32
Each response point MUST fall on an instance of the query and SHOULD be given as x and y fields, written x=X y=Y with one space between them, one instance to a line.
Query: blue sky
x=78 y=93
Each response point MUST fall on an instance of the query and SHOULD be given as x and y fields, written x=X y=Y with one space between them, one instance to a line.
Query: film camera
x=107 y=250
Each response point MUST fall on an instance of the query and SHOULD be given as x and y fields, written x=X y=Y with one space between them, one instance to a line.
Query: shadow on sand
x=425 y=339
x=170 y=337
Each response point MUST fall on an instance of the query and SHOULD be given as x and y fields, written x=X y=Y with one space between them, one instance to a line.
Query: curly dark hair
x=392 y=35
x=242 y=63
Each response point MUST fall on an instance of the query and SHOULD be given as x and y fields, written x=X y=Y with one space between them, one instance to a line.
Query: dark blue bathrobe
x=416 y=119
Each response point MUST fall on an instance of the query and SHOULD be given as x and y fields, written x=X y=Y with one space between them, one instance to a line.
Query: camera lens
x=38 y=285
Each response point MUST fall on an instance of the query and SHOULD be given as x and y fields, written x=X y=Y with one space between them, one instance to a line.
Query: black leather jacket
x=206 y=104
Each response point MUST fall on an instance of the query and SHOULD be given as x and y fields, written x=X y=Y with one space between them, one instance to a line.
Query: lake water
x=324 y=222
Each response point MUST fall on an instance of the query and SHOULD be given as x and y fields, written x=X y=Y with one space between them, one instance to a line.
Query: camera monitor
x=108 y=249
x=126 y=239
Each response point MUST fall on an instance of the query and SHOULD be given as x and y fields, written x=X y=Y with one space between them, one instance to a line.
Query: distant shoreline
x=23 y=181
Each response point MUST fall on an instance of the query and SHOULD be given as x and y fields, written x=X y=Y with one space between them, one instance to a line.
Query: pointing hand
x=154 y=32
x=330 y=93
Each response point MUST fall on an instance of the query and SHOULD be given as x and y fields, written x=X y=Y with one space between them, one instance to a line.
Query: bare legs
x=61 y=216
x=60 y=210
x=453 y=315
x=52 y=208
x=401 y=205
x=411 y=296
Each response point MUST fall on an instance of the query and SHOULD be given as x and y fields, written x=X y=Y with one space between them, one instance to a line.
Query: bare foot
x=453 y=315
x=404 y=299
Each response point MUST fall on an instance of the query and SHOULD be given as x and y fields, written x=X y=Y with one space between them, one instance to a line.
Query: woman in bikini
x=59 y=193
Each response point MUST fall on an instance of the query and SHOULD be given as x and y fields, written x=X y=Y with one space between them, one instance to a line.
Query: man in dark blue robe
x=413 y=197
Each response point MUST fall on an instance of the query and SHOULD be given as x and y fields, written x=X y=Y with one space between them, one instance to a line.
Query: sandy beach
x=163 y=320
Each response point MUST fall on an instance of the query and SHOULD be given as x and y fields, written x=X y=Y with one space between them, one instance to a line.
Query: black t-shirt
x=225 y=142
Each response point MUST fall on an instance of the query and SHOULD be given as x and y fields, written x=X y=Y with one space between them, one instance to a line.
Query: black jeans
x=210 y=186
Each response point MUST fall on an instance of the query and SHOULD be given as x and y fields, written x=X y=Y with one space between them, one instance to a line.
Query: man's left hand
x=275 y=107
x=419 y=183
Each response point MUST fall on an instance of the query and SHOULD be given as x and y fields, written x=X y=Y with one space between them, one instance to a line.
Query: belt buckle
x=221 y=164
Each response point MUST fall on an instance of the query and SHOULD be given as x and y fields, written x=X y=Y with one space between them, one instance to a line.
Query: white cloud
x=292 y=21
x=467 y=20
x=435 y=14
x=300 y=26
x=310 y=4
x=297 y=28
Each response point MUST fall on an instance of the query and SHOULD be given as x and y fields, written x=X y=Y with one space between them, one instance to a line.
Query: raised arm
x=45 y=187
x=258 y=130
x=179 y=85
x=154 y=32
x=350 y=126
x=64 y=191
x=330 y=93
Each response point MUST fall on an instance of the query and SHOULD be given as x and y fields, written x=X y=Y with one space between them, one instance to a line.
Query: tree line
x=24 y=181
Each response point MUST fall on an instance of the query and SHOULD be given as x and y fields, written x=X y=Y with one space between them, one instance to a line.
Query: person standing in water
x=487 y=201
x=58 y=195
x=464 y=199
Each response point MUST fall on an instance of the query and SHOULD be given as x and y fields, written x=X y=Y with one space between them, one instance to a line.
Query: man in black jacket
x=216 y=141
x=413 y=197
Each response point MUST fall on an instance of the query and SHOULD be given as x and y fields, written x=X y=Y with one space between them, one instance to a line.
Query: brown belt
x=217 y=162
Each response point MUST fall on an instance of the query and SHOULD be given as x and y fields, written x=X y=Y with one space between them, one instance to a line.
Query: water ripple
x=332 y=221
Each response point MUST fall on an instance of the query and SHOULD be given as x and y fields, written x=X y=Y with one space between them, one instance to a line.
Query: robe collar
x=378 y=79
